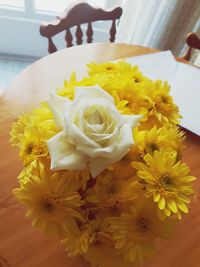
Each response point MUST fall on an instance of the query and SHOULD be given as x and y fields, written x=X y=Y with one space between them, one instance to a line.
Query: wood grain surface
x=23 y=246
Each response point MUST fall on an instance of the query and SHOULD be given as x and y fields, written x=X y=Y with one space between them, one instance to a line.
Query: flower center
x=142 y=224
x=150 y=148
x=51 y=204
x=29 y=149
x=166 y=182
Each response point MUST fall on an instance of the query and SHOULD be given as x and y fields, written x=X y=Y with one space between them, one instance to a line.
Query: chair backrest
x=193 y=42
x=75 y=16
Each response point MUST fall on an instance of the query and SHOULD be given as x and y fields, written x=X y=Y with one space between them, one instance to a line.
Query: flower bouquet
x=102 y=165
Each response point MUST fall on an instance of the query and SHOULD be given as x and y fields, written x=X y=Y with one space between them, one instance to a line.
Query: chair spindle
x=79 y=35
x=113 y=31
x=89 y=33
x=68 y=38
x=51 y=46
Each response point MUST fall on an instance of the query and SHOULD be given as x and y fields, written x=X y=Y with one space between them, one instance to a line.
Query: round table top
x=24 y=246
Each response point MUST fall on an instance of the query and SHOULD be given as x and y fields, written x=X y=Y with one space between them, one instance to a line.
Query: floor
x=9 y=69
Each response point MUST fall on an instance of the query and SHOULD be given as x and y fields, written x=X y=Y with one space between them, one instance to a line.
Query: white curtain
x=161 y=24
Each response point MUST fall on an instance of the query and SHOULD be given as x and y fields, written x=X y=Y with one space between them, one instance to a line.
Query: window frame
x=22 y=30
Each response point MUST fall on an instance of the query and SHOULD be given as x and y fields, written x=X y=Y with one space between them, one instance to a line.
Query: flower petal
x=56 y=104
x=172 y=205
x=94 y=91
x=161 y=203
x=64 y=155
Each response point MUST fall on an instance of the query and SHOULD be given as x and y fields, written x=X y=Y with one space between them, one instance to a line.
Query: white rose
x=93 y=131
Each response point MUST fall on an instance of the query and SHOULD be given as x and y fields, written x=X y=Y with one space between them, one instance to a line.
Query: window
x=12 y=4
x=58 y=6
x=22 y=18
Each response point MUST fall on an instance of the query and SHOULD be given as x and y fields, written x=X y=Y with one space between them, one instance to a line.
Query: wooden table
x=21 y=244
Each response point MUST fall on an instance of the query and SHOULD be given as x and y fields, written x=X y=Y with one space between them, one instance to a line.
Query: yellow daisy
x=167 y=181
x=79 y=238
x=18 y=127
x=134 y=233
x=162 y=105
x=103 y=254
x=156 y=138
x=68 y=89
x=50 y=203
x=149 y=141
x=120 y=68
x=110 y=195
x=33 y=145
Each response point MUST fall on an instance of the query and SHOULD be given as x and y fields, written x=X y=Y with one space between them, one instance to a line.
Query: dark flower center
x=142 y=224
x=166 y=181
x=150 y=148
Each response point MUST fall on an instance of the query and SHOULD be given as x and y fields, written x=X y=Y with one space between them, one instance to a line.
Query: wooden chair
x=193 y=42
x=75 y=16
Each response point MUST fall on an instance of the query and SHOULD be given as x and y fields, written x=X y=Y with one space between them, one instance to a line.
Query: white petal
x=132 y=120
x=75 y=135
x=64 y=155
x=97 y=165
x=56 y=104
x=126 y=141
x=94 y=91
x=92 y=152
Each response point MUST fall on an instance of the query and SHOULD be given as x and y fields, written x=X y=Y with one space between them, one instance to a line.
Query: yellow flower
x=175 y=139
x=111 y=195
x=31 y=131
x=134 y=233
x=167 y=181
x=149 y=141
x=156 y=138
x=50 y=203
x=121 y=68
x=161 y=103
x=33 y=145
x=68 y=89
x=18 y=127
x=78 y=238
x=103 y=254
x=103 y=68
x=31 y=169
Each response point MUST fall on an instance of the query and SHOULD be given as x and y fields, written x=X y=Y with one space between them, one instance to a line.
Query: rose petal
x=56 y=104
x=97 y=165
x=132 y=120
x=64 y=155
x=94 y=91
x=75 y=135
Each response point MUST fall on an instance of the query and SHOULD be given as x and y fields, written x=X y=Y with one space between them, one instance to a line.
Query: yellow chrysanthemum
x=68 y=89
x=78 y=239
x=120 y=68
x=31 y=131
x=33 y=145
x=110 y=195
x=50 y=203
x=18 y=127
x=134 y=233
x=30 y=170
x=156 y=138
x=167 y=181
x=162 y=105
x=103 y=254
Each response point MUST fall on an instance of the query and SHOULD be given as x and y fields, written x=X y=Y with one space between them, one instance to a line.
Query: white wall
x=20 y=36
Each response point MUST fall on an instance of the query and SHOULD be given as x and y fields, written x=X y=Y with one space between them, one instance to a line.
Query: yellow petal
x=156 y=196
x=167 y=212
x=183 y=207
x=132 y=253
x=161 y=203
x=172 y=205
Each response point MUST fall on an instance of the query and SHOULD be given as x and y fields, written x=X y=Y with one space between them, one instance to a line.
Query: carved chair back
x=193 y=42
x=79 y=14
